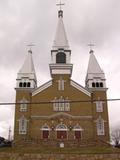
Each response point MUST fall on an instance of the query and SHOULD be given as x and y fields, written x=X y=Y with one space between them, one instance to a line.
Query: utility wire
x=65 y=101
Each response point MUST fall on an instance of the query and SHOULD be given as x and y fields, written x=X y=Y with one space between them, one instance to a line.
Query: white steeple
x=93 y=66
x=60 y=53
x=95 y=77
x=26 y=77
x=60 y=37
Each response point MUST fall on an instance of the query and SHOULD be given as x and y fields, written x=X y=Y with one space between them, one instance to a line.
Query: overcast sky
x=34 y=21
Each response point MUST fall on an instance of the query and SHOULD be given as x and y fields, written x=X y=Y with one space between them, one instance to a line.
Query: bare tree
x=115 y=135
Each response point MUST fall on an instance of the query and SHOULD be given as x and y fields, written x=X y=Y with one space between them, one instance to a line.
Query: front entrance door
x=61 y=134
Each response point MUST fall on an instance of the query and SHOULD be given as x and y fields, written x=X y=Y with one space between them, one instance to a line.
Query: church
x=61 y=112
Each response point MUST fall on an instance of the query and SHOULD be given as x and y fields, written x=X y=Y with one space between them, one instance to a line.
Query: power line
x=65 y=101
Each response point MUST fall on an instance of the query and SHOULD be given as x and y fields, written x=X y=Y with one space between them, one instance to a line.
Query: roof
x=93 y=66
x=28 y=67
x=72 y=83
x=60 y=40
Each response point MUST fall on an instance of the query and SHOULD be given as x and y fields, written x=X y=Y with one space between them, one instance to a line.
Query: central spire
x=60 y=53
x=60 y=40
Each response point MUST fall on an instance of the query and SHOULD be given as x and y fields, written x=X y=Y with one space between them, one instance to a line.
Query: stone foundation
x=16 y=156
x=56 y=143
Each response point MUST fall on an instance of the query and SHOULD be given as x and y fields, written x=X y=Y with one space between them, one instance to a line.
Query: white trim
x=78 y=129
x=65 y=129
x=99 y=106
x=45 y=129
x=61 y=114
x=80 y=88
x=61 y=84
x=61 y=129
x=61 y=105
x=22 y=125
x=41 y=88
x=61 y=71
x=23 y=105
x=98 y=89
x=61 y=68
x=100 y=126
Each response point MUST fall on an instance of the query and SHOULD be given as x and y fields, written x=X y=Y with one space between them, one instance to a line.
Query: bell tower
x=26 y=83
x=96 y=84
x=60 y=53
x=26 y=77
x=95 y=78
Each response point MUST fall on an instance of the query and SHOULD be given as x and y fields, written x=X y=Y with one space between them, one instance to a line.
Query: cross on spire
x=91 y=47
x=60 y=4
x=30 y=47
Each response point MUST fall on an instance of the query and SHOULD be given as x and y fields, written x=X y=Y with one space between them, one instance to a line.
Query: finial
x=30 y=47
x=60 y=4
x=30 y=51
x=60 y=12
x=91 y=50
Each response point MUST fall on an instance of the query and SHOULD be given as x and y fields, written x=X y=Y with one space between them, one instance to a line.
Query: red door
x=45 y=134
x=77 y=134
x=62 y=134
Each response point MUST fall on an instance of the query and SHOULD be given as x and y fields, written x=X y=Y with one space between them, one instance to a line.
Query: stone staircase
x=61 y=143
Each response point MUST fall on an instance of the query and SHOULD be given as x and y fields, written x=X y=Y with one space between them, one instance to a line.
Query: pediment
x=42 y=88
x=80 y=88
x=72 y=83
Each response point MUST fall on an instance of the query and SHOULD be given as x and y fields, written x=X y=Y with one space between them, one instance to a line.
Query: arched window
x=61 y=57
x=23 y=105
x=101 y=84
x=61 y=131
x=93 y=84
x=23 y=125
x=100 y=126
x=67 y=105
x=28 y=84
x=61 y=104
x=45 y=131
x=97 y=84
x=77 y=131
x=99 y=106
x=20 y=84
x=61 y=127
x=24 y=84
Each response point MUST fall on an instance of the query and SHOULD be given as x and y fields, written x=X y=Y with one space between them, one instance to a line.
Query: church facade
x=61 y=110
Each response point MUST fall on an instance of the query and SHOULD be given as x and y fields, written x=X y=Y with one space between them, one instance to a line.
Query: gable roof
x=72 y=83
x=80 y=88
x=41 y=88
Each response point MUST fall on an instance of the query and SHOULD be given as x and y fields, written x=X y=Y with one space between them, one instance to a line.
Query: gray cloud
x=26 y=21
x=96 y=21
